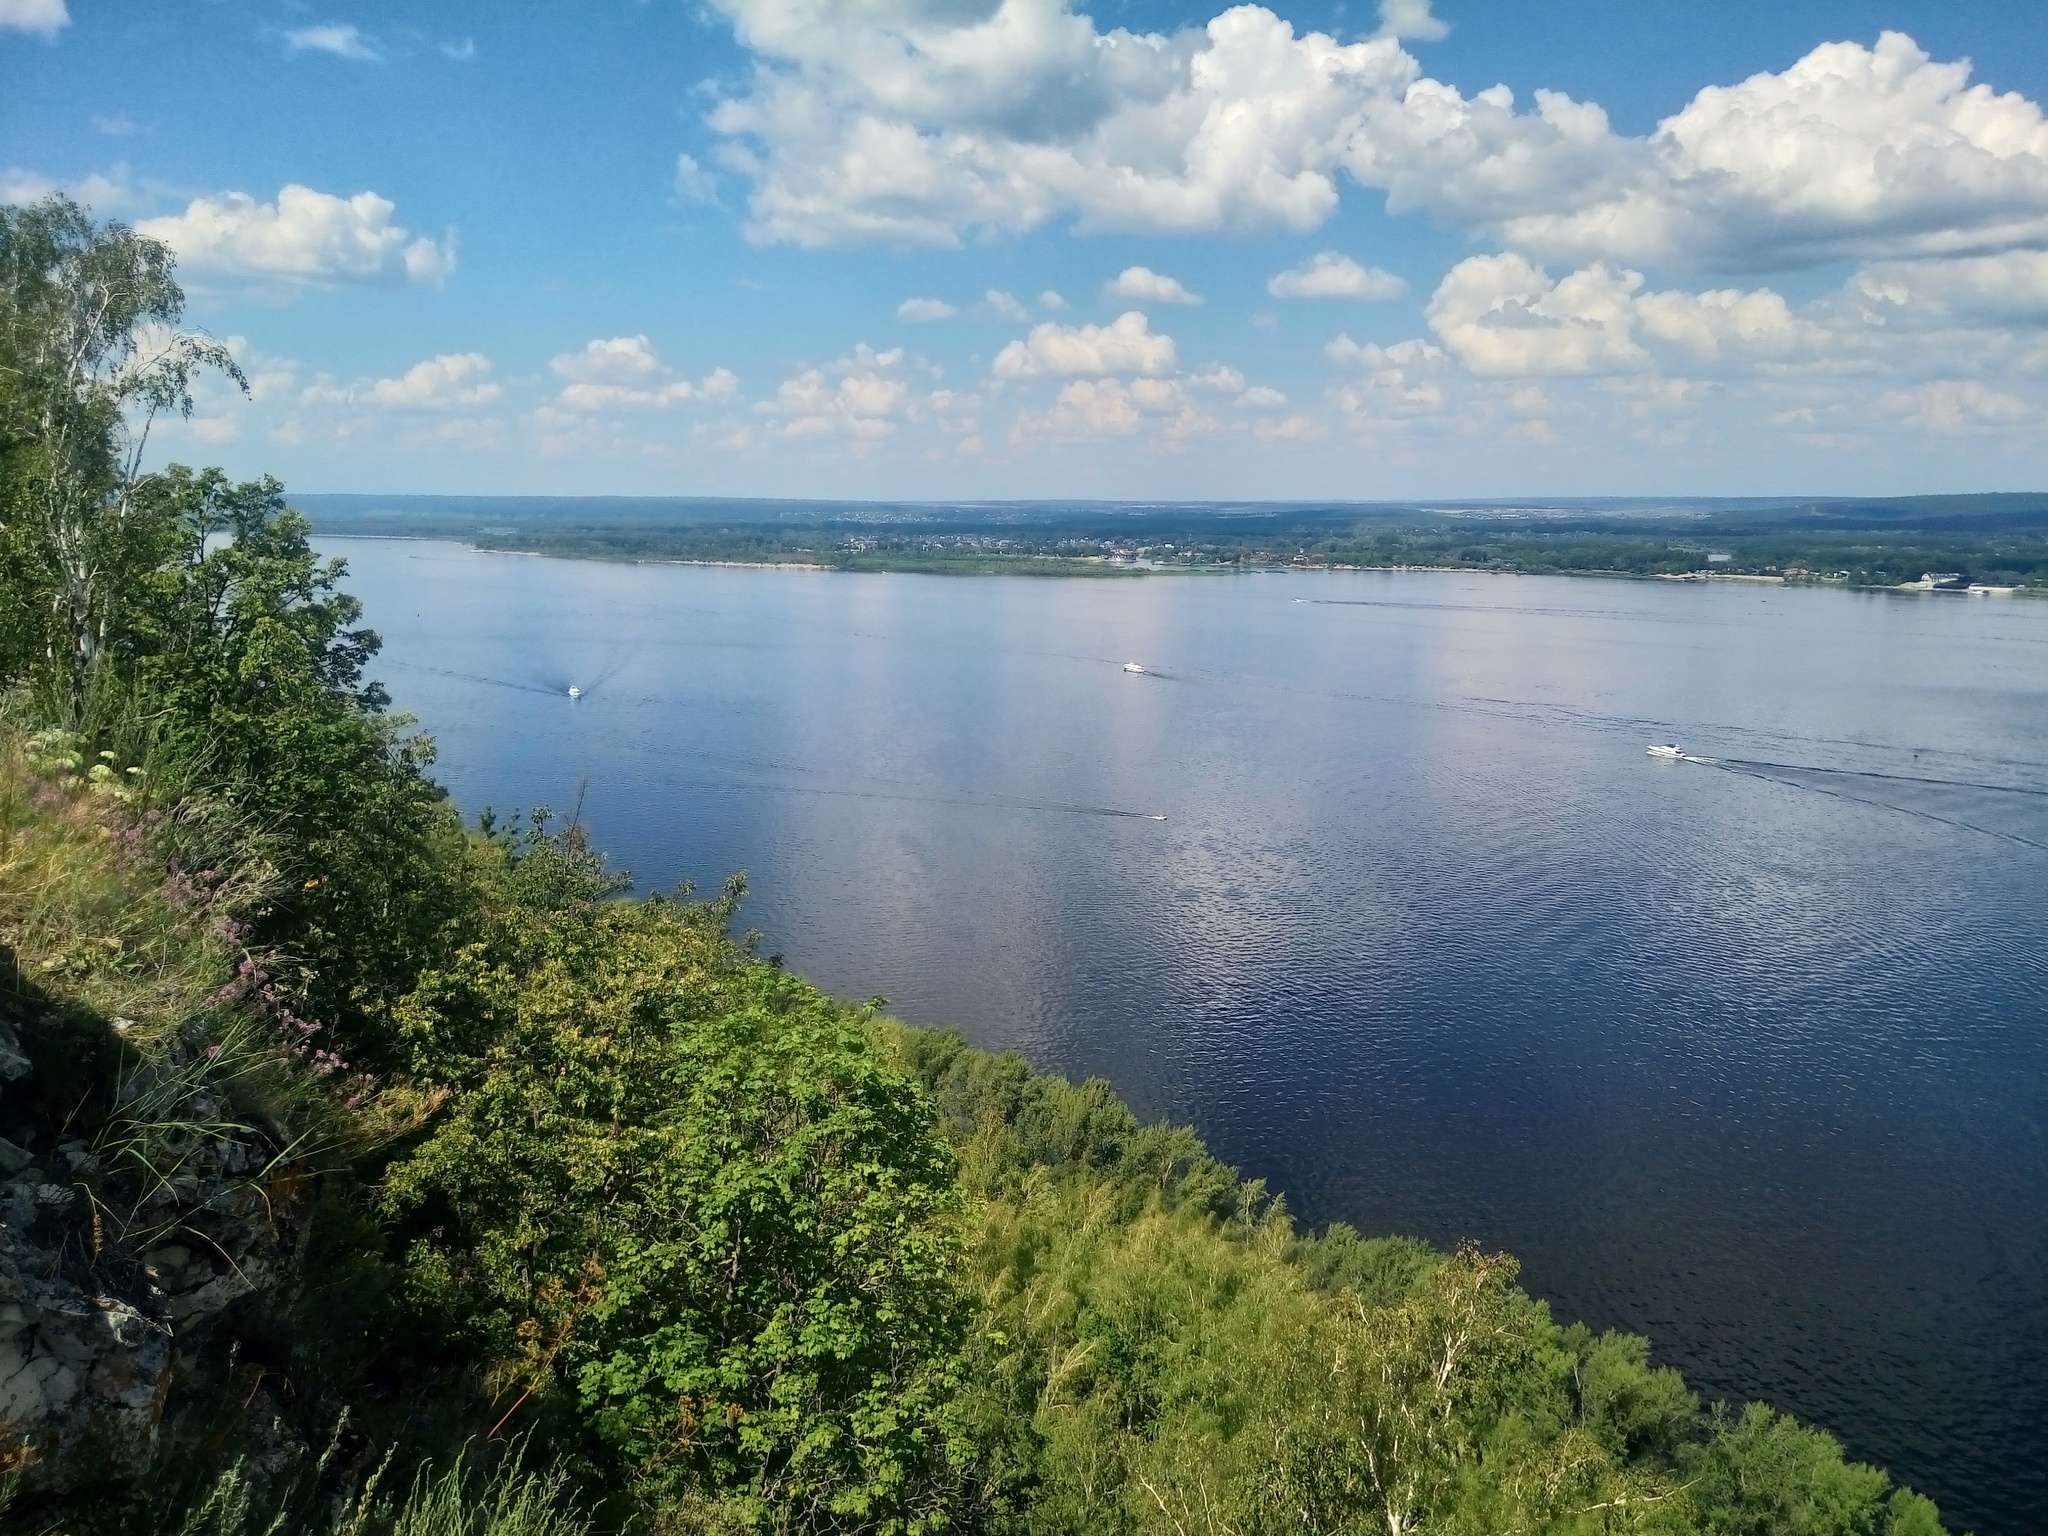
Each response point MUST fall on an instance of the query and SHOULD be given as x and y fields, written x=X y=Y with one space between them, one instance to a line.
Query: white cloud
x=1260 y=397
x=1332 y=275
x=1106 y=408
x=1126 y=345
x=45 y=17
x=1851 y=152
x=922 y=311
x=1395 y=386
x=461 y=52
x=340 y=39
x=2009 y=288
x=1004 y=306
x=1289 y=429
x=915 y=123
x=1219 y=376
x=693 y=183
x=1410 y=18
x=305 y=238
x=1085 y=408
x=1505 y=316
x=625 y=372
x=1149 y=287
x=1052 y=299
x=1954 y=406
x=910 y=123
x=452 y=381
x=96 y=191
x=861 y=399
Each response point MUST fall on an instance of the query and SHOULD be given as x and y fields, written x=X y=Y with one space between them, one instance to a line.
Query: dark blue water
x=1752 y=1058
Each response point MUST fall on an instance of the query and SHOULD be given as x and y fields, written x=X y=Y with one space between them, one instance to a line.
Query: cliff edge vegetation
x=366 y=1171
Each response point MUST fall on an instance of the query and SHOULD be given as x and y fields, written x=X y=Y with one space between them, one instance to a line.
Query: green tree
x=243 y=644
x=683 y=1192
x=89 y=356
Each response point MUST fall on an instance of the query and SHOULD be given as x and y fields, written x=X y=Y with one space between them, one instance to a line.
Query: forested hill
x=366 y=1171
x=1994 y=539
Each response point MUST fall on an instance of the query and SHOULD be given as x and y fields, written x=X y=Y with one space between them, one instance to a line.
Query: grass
x=80 y=908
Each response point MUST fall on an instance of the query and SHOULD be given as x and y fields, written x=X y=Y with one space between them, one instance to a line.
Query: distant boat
x=1667 y=750
x=1132 y=666
x=575 y=693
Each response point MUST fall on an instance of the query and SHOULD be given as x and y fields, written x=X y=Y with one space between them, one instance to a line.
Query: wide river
x=1369 y=877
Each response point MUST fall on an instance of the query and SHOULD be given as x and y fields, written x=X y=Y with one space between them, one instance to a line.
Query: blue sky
x=984 y=248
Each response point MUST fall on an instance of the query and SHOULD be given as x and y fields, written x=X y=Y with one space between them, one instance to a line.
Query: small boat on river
x=1667 y=751
x=1132 y=666
x=575 y=693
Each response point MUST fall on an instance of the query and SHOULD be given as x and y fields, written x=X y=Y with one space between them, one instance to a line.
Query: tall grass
x=458 y=1500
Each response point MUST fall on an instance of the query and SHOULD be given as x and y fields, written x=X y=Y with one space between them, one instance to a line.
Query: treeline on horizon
x=430 y=1184
x=1999 y=540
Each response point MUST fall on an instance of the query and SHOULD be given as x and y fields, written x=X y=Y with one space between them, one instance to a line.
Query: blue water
x=1751 y=1058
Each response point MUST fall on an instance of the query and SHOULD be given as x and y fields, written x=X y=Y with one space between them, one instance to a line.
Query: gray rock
x=13 y=1062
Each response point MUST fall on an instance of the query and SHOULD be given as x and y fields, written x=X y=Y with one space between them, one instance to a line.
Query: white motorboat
x=1132 y=666
x=575 y=693
x=1667 y=750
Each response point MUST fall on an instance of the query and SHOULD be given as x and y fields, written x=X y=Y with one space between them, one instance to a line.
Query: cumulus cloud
x=1128 y=344
x=305 y=238
x=1149 y=287
x=340 y=39
x=452 y=381
x=1332 y=275
x=1851 y=152
x=95 y=190
x=861 y=400
x=625 y=372
x=1505 y=316
x=693 y=182
x=1053 y=300
x=1110 y=408
x=46 y=18
x=1410 y=18
x=1004 y=306
x=917 y=124
x=2009 y=288
x=1393 y=386
x=1954 y=406
x=923 y=311
x=909 y=123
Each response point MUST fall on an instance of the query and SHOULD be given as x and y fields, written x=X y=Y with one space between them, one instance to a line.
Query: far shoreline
x=1084 y=569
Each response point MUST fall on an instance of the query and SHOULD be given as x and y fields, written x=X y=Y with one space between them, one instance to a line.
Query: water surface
x=1748 y=1058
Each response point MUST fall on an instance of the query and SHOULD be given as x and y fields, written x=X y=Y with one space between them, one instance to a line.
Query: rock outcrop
x=120 y=1249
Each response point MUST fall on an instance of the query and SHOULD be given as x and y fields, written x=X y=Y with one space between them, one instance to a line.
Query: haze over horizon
x=1034 y=248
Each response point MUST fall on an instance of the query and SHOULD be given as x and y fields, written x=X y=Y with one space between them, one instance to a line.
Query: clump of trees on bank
x=428 y=1183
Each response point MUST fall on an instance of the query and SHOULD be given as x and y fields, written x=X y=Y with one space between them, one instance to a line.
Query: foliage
x=682 y=1188
x=89 y=355
x=253 y=660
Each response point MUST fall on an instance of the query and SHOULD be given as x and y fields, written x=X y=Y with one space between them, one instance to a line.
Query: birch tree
x=91 y=355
